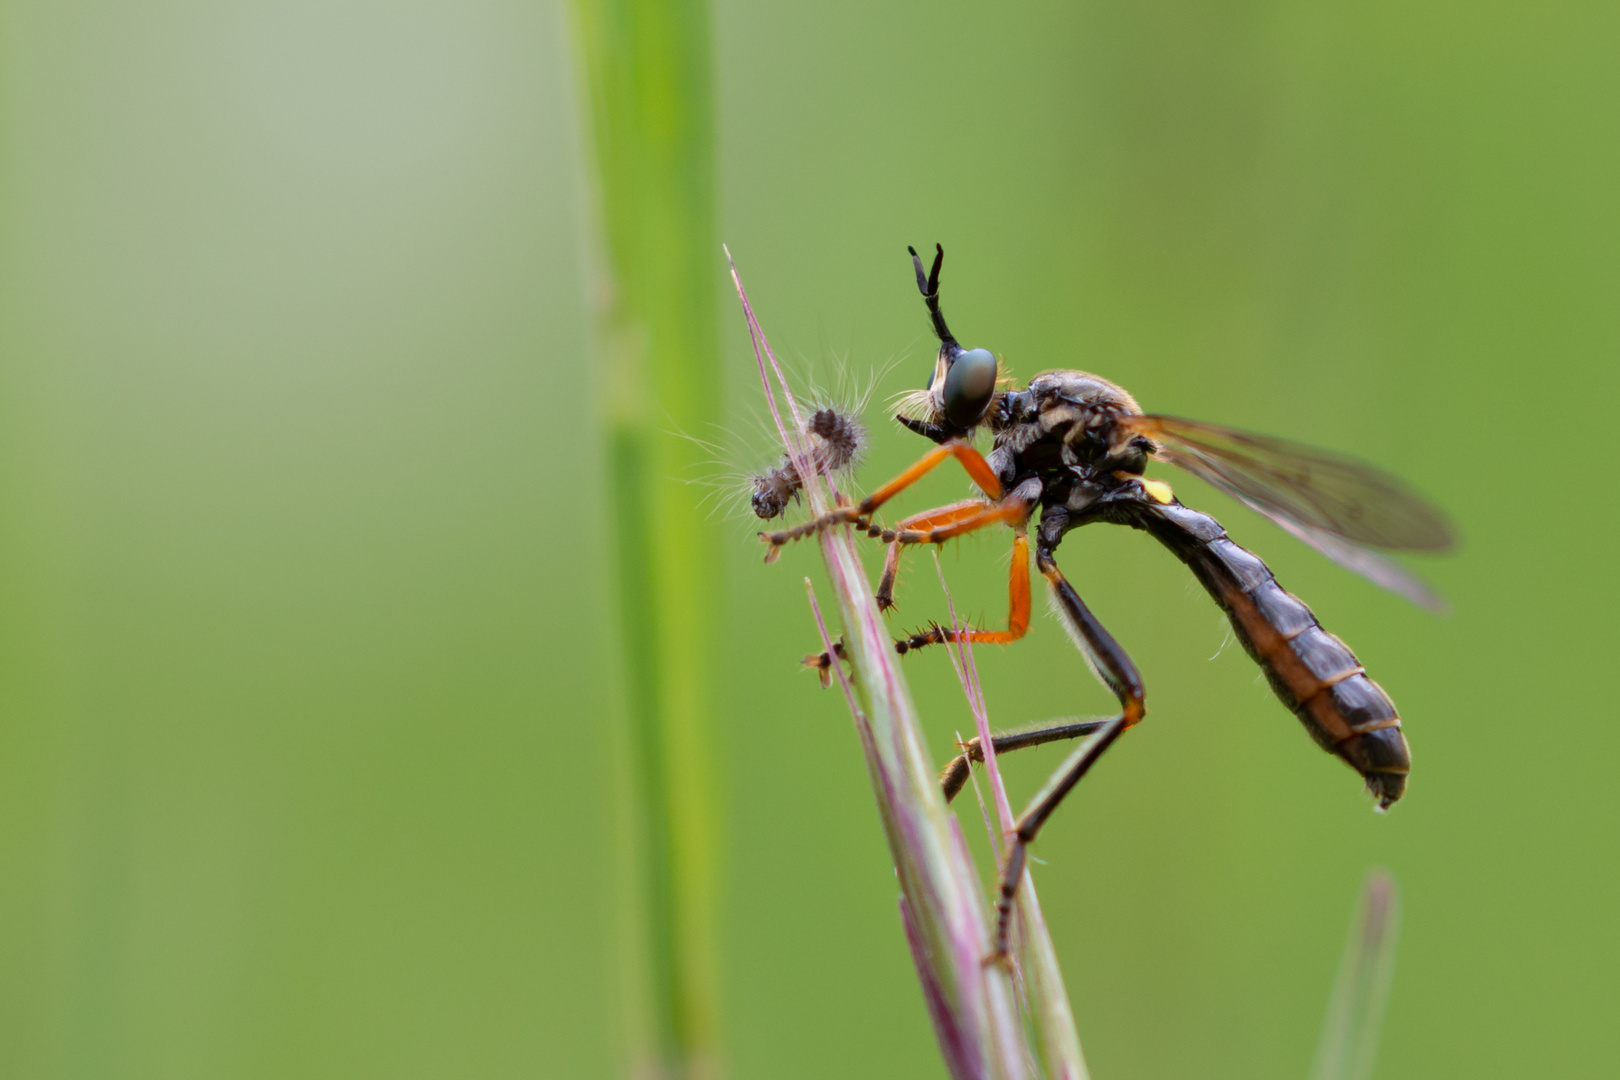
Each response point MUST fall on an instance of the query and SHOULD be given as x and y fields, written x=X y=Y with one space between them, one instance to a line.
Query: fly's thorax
x=1071 y=418
x=1104 y=492
x=1080 y=491
x=1083 y=390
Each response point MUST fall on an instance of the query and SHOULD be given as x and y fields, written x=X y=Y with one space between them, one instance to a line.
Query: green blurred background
x=303 y=765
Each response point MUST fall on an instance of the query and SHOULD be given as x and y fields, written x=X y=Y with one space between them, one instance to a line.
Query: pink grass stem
x=944 y=909
x=968 y=673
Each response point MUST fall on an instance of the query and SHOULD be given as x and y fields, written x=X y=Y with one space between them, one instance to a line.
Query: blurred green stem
x=645 y=69
x=1355 y=1016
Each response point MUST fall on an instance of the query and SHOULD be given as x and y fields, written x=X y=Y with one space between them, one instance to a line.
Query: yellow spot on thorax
x=1157 y=490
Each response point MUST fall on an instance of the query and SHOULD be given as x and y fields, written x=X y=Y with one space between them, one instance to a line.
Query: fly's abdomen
x=1314 y=673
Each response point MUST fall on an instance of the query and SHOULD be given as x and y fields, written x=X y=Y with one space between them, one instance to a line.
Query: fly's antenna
x=928 y=285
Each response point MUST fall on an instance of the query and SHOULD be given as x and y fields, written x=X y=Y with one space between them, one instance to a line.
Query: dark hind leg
x=1119 y=674
x=957 y=772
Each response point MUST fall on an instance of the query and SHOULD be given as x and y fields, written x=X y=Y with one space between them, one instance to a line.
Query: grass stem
x=943 y=909
x=1045 y=998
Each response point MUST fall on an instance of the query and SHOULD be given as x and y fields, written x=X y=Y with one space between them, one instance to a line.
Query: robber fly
x=1074 y=446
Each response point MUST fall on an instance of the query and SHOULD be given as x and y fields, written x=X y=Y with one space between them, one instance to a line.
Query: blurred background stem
x=1355 y=1016
x=645 y=69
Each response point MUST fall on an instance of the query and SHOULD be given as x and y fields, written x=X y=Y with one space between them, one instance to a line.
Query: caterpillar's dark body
x=837 y=439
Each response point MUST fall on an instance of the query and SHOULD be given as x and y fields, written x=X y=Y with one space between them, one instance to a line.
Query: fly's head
x=962 y=389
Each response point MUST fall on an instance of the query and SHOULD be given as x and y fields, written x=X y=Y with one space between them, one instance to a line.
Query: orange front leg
x=928 y=519
x=859 y=514
x=978 y=471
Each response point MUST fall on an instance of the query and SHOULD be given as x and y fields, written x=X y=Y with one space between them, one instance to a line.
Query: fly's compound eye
x=969 y=385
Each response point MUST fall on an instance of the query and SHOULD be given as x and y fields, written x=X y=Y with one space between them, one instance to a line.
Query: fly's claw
x=999 y=958
x=822 y=662
x=932 y=636
x=956 y=774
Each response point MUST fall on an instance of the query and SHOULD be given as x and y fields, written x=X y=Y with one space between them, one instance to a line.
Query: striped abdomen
x=1314 y=673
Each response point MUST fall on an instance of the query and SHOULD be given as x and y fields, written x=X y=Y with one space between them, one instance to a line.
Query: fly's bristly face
x=961 y=392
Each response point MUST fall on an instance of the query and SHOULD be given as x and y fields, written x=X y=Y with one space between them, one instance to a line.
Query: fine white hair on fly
x=1062 y=614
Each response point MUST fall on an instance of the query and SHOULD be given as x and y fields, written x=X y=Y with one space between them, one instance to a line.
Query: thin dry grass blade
x=1046 y=999
x=1355 y=1015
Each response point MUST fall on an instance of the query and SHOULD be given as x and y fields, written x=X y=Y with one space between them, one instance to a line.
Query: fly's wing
x=1340 y=506
x=1381 y=570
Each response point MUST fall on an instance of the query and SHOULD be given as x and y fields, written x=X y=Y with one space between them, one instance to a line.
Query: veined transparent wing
x=1342 y=507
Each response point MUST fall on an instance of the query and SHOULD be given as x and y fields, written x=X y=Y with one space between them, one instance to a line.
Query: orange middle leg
x=1017 y=610
x=936 y=527
x=1017 y=591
